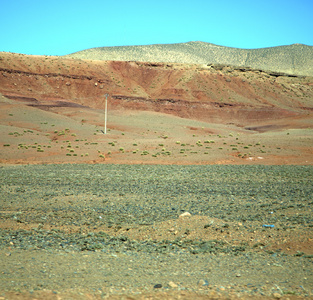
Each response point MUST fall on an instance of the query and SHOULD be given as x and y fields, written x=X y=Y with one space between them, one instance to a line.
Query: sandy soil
x=75 y=135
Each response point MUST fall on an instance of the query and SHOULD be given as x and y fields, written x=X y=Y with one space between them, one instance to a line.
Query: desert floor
x=88 y=215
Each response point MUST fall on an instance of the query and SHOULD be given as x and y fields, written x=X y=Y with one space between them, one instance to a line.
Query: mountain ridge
x=296 y=59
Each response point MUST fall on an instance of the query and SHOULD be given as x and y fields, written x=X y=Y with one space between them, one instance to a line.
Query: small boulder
x=185 y=214
x=172 y=284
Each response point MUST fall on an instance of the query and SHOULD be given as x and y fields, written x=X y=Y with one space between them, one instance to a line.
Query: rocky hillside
x=292 y=59
x=211 y=93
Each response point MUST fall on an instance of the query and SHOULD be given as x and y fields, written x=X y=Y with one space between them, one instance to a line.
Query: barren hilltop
x=293 y=59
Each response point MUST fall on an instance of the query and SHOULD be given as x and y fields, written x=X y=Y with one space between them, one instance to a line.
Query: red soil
x=247 y=101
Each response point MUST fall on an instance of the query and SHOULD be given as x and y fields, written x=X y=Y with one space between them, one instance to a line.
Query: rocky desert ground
x=201 y=188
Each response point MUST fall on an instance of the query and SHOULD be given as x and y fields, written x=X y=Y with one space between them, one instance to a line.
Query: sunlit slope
x=292 y=59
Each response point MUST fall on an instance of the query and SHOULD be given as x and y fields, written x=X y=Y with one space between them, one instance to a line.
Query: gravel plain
x=72 y=231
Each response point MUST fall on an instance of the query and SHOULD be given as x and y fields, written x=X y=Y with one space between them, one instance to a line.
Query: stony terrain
x=97 y=231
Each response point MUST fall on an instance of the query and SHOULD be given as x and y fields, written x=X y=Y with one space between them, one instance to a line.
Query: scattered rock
x=172 y=284
x=203 y=282
x=185 y=214
x=277 y=295
x=158 y=286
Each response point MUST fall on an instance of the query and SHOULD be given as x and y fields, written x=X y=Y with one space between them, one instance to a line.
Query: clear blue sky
x=61 y=27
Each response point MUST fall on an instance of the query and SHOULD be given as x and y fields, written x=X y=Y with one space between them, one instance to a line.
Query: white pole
x=106 y=113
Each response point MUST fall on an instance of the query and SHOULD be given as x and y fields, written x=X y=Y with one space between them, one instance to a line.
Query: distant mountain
x=293 y=59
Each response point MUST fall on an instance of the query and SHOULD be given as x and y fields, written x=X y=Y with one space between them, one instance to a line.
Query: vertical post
x=106 y=113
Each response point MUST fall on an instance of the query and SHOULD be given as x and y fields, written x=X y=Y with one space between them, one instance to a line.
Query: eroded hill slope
x=212 y=93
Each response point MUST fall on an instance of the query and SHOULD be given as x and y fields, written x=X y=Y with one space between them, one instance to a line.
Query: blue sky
x=63 y=27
